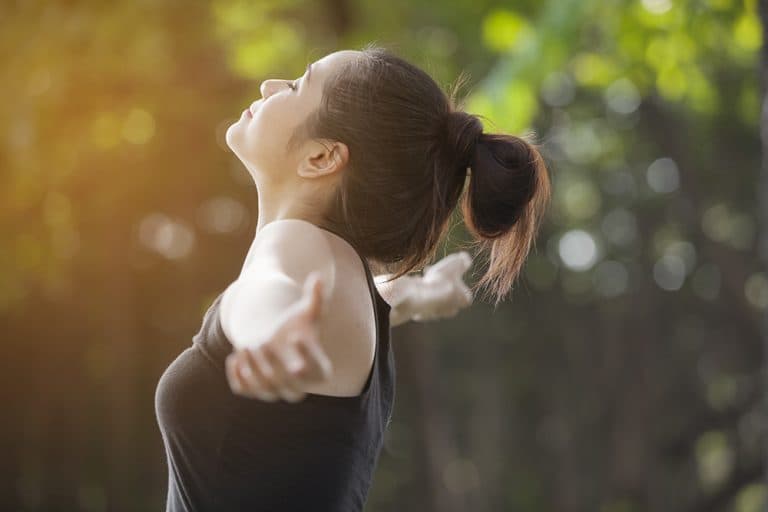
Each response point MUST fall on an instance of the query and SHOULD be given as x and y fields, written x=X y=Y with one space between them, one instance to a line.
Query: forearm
x=251 y=309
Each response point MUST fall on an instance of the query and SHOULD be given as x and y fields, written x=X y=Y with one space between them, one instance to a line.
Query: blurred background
x=624 y=373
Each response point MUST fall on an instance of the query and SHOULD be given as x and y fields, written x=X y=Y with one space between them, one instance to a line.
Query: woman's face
x=260 y=137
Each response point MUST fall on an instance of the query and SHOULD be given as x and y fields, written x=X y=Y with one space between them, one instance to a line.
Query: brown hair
x=410 y=147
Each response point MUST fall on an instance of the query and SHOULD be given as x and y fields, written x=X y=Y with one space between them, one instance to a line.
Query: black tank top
x=226 y=452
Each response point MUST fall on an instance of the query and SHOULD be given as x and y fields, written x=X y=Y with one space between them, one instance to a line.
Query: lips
x=248 y=113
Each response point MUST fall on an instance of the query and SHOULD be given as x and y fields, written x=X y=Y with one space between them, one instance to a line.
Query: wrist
x=399 y=291
x=398 y=315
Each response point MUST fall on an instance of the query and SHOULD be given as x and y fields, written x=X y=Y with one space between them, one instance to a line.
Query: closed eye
x=292 y=85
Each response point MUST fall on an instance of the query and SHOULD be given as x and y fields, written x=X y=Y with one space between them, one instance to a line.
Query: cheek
x=262 y=139
x=261 y=133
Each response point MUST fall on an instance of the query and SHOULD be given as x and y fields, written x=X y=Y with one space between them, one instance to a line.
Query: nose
x=268 y=86
x=263 y=88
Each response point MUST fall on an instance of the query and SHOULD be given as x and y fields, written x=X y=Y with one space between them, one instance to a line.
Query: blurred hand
x=440 y=292
x=290 y=359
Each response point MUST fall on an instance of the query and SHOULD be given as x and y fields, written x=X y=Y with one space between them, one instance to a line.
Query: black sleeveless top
x=227 y=452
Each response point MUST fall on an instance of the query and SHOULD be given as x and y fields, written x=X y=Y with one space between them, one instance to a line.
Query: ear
x=328 y=158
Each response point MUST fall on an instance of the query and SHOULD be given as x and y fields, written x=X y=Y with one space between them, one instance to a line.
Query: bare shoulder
x=283 y=255
x=296 y=248
x=291 y=249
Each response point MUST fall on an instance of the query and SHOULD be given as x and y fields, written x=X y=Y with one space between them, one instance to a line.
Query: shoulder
x=294 y=248
x=292 y=232
x=285 y=253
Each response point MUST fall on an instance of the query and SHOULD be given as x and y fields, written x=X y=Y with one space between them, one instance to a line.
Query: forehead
x=334 y=60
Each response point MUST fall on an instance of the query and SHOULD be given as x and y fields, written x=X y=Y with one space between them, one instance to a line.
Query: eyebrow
x=309 y=72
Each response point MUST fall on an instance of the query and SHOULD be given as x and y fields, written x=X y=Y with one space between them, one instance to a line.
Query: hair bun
x=463 y=130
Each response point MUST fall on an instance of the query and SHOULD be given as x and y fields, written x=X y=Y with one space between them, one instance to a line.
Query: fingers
x=318 y=364
x=269 y=374
x=244 y=381
x=274 y=368
x=291 y=359
x=313 y=292
x=464 y=295
x=455 y=264
x=444 y=304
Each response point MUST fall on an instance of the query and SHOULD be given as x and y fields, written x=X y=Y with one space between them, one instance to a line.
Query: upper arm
x=286 y=252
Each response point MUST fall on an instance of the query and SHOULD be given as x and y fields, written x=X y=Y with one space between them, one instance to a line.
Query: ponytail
x=509 y=191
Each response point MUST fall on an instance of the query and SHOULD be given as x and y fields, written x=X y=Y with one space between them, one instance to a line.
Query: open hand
x=440 y=292
x=290 y=359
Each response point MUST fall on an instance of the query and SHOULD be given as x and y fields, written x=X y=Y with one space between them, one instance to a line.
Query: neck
x=291 y=200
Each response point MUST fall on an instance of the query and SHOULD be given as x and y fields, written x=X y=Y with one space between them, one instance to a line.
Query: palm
x=290 y=359
x=441 y=292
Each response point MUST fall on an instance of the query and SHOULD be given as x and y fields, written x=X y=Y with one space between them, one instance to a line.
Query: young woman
x=282 y=401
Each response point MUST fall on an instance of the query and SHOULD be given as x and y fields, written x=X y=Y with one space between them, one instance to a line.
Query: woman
x=283 y=399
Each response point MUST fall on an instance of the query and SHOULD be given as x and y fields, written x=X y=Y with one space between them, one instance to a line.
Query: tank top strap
x=378 y=300
x=382 y=360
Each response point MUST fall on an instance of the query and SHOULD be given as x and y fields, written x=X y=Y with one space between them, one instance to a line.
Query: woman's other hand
x=290 y=359
x=440 y=291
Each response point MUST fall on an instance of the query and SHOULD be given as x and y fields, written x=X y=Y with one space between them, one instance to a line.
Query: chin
x=231 y=137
